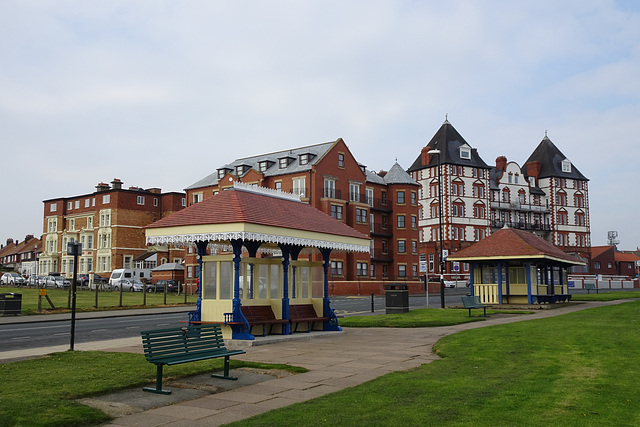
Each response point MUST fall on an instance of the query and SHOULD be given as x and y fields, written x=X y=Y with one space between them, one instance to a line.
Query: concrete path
x=335 y=362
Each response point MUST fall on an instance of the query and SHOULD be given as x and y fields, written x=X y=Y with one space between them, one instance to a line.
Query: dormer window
x=240 y=169
x=465 y=153
x=303 y=159
x=283 y=162
x=222 y=172
x=263 y=166
x=566 y=166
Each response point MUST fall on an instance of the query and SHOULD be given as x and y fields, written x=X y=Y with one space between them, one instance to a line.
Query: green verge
x=42 y=392
x=85 y=300
x=606 y=296
x=420 y=318
x=578 y=369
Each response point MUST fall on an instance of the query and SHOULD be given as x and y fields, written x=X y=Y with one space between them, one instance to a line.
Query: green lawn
x=86 y=300
x=578 y=369
x=606 y=296
x=42 y=392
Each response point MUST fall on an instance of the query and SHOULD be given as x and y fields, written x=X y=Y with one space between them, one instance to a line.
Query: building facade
x=547 y=196
x=327 y=176
x=109 y=224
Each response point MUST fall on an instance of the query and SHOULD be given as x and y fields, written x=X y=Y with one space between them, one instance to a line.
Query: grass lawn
x=41 y=392
x=420 y=318
x=606 y=296
x=578 y=369
x=86 y=300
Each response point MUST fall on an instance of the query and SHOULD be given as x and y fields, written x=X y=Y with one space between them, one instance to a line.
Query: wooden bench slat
x=304 y=313
x=261 y=315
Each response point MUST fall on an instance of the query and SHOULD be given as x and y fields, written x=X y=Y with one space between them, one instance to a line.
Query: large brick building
x=109 y=224
x=381 y=205
x=547 y=196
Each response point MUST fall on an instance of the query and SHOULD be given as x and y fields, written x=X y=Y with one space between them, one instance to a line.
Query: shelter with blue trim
x=514 y=266
x=258 y=247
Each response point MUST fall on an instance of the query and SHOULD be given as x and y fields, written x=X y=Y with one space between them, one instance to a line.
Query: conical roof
x=397 y=175
x=448 y=141
x=551 y=158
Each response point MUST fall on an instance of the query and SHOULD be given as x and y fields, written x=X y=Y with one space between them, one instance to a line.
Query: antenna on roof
x=611 y=236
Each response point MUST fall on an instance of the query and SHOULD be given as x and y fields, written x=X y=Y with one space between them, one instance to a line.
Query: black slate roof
x=448 y=141
x=550 y=158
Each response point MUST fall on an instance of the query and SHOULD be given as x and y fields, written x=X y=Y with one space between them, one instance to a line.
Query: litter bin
x=397 y=298
x=10 y=303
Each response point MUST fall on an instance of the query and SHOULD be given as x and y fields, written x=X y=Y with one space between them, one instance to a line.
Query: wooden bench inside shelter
x=173 y=346
x=470 y=302
x=261 y=315
x=304 y=313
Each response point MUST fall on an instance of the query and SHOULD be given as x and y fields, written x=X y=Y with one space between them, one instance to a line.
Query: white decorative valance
x=187 y=239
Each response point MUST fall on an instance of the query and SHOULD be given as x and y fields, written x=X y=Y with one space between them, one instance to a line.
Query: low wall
x=362 y=288
x=603 y=282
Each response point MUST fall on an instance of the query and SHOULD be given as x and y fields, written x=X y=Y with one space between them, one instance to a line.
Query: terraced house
x=381 y=205
x=109 y=223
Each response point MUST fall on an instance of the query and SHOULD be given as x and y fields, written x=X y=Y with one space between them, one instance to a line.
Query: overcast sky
x=161 y=93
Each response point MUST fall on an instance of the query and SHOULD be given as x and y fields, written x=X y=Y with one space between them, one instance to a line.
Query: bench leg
x=469 y=312
x=485 y=311
x=158 y=388
x=226 y=371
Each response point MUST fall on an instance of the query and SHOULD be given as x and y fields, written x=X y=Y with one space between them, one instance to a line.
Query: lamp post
x=440 y=235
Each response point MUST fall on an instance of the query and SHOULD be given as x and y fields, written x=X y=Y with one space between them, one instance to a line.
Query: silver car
x=58 y=282
x=14 y=279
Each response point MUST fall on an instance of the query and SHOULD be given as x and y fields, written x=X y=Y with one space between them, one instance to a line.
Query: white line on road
x=20 y=338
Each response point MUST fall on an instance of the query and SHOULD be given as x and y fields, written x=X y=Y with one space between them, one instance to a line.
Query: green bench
x=590 y=287
x=181 y=345
x=470 y=302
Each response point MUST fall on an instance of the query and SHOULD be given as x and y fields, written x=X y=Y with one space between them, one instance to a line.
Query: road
x=21 y=336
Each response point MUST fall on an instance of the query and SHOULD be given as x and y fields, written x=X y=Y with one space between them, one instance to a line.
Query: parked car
x=56 y=281
x=14 y=279
x=158 y=287
x=34 y=280
x=129 y=285
x=83 y=280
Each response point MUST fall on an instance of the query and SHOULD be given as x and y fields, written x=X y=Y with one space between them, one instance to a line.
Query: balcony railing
x=377 y=228
x=332 y=193
x=517 y=206
x=520 y=225
x=378 y=255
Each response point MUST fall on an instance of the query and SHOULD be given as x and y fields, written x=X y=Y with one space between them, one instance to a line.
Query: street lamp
x=440 y=237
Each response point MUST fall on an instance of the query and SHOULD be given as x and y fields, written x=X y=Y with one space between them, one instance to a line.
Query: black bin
x=10 y=303
x=397 y=298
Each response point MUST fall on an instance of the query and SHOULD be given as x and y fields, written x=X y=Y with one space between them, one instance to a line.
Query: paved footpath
x=335 y=362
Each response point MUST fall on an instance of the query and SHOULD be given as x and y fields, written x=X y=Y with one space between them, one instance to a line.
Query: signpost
x=75 y=249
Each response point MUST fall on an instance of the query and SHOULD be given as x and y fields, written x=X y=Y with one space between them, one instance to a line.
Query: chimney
x=533 y=168
x=501 y=163
x=28 y=237
x=382 y=173
x=102 y=187
x=155 y=190
x=116 y=184
x=425 y=157
x=9 y=241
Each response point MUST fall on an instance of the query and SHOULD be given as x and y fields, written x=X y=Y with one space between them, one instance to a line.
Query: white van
x=119 y=274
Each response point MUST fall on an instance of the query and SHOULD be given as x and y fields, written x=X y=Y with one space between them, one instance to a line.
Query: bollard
x=372 y=305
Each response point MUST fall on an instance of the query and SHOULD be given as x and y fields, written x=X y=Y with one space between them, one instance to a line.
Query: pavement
x=335 y=360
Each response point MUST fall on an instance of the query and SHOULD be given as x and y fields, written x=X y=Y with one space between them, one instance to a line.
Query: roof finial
x=545 y=133
x=446 y=117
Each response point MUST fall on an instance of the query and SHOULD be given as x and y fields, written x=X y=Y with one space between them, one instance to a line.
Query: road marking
x=20 y=338
x=62 y=333
x=132 y=327
x=99 y=330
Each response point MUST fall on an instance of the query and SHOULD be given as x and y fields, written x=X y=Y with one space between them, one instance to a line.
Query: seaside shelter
x=514 y=266
x=258 y=247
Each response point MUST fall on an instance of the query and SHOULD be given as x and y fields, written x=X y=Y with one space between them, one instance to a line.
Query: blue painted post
x=499 y=283
x=241 y=331
x=201 y=250
x=527 y=272
x=285 y=286
x=332 y=324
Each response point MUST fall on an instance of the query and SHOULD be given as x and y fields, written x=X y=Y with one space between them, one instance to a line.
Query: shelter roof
x=247 y=212
x=169 y=266
x=511 y=243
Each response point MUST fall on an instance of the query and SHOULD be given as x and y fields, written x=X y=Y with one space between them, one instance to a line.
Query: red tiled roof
x=599 y=250
x=626 y=257
x=239 y=206
x=513 y=243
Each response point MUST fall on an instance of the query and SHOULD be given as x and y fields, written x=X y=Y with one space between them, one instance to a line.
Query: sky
x=160 y=93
